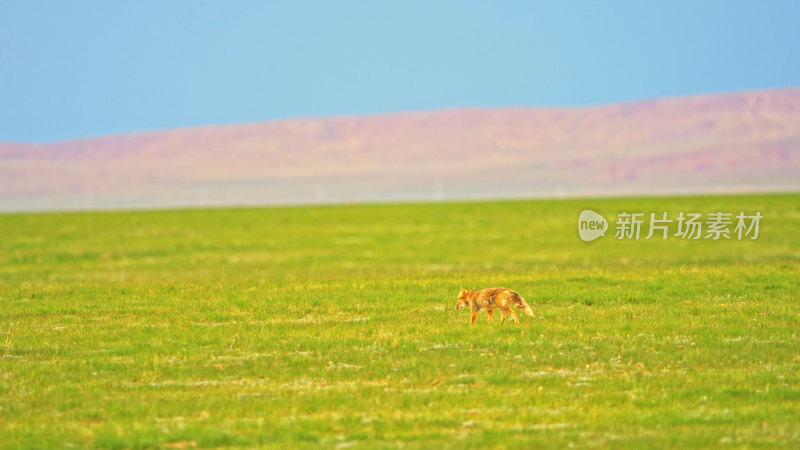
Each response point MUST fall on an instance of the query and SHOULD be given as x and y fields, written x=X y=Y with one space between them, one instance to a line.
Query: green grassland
x=335 y=327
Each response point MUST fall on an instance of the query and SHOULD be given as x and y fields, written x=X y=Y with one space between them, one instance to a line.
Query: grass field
x=335 y=327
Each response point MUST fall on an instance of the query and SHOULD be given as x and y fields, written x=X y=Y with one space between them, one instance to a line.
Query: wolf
x=491 y=298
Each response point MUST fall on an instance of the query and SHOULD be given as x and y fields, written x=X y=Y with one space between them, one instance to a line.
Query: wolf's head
x=462 y=298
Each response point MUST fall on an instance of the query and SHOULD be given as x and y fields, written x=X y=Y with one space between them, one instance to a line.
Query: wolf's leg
x=502 y=316
x=474 y=316
x=490 y=312
x=514 y=315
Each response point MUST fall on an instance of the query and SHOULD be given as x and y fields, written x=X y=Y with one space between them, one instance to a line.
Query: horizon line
x=397 y=112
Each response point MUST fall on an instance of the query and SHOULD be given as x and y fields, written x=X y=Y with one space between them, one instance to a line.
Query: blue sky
x=74 y=69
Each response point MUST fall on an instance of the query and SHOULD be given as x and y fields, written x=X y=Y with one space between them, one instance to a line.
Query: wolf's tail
x=519 y=302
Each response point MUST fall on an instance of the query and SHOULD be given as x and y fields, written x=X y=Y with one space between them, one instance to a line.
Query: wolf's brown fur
x=492 y=298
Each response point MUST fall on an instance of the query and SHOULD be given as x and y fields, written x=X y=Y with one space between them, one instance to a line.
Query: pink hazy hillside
x=742 y=142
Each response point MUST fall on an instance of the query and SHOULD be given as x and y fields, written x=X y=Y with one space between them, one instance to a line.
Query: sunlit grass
x=335 y=326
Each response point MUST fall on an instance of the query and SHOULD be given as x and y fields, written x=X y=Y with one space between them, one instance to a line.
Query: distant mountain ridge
x=736 y=142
